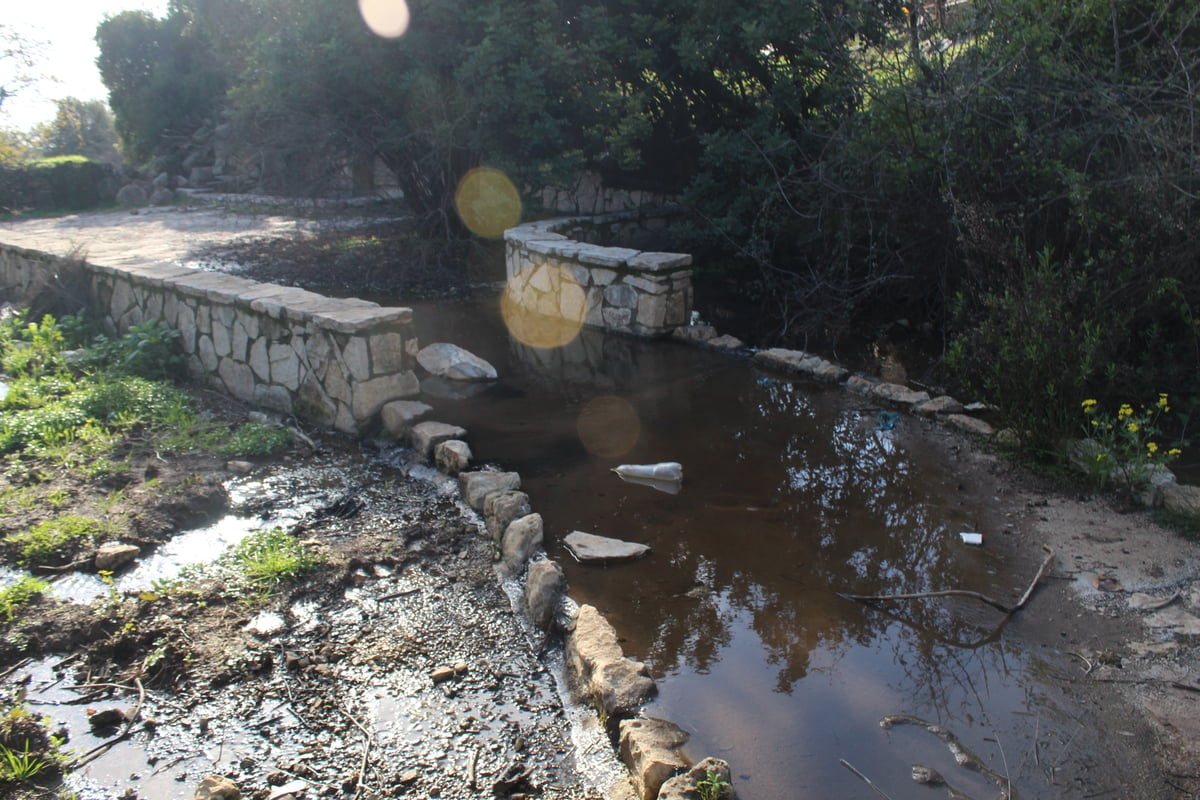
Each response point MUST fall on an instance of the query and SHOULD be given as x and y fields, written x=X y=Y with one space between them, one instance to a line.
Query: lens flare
x=543 y=306
x=608 y=426
x=386 y=18
x=487 y=202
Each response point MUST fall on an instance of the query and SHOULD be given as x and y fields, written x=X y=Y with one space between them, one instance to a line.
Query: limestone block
x=944 y=404
x=259 y=361
x=660 y=262
x=186 y=324
x=621 y=295
x=687 y=785
x=452 y=457
x=607 y=256
x=545 y=587
x=369 y=396
x=336 y=386
x=648 y=285
x=388 y=353
x=650 y=749
x=453 y=362
x=651 y=311
x=522 y=538
x=588 y=547
x=285 y=365
x=600 y=669
x=114 y=555
x=207 y=353
x=601 y=276
x=216 y=787
x=501 y=508
x=971 y=425
x=237 y=379
x=357 y=358
x=399 y=415
x=696 y=333
x=899 y=394
x=222 y=340
x=476 y=486
x=617 y=318
x=860 y=385
x=424 y=436
x=679 y=308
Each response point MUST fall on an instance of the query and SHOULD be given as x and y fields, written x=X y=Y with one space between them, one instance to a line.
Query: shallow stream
x=791 y=492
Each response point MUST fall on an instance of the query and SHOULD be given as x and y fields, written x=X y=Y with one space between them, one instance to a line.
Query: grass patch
x=269 y=558
x=14 y=598
x=254 y=438
x=55 y=541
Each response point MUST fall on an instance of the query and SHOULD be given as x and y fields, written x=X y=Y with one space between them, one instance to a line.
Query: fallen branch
x=996 y=604
x=366 y=751
x=864 y=778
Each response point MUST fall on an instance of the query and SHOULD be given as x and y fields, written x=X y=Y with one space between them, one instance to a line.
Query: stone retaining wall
x=334 y=362
x=617 y=288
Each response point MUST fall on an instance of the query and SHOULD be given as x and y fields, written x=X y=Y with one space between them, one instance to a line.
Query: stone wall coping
x=542 y=238
x=210 y=285
x=155 y=274
x=358 y=319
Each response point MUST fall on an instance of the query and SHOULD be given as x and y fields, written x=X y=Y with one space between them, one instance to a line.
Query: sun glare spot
x=386 y=18
x=543 y=306
x=487 y=202
x=608 y=426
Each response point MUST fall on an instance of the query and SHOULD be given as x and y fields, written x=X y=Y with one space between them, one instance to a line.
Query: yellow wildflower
x=1132 y=427
x=1174 y=451
x=1152 y=447
x=1088 y=405
x=1162 y=401
x=1124 y=411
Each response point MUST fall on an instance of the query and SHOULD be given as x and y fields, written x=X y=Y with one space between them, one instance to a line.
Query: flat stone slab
x=590 y=548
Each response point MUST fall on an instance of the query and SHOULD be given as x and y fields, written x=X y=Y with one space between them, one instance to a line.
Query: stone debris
x=709 y=778
x=501 y=508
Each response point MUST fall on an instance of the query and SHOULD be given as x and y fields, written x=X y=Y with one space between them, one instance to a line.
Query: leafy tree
x=80 y=127
x=162 y=77
x=18 y=57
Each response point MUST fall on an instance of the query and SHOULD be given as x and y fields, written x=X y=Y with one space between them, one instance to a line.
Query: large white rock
x=453 y=362
x=588 y=547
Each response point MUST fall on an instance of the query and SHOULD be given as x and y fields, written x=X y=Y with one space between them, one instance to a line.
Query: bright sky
x=68 y=62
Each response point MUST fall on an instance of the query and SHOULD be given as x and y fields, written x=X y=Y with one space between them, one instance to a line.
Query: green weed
x=20 y=766
x=14 y=598
x=254 y=439
x=54 y=541
x=270 y=557
x=713 y=786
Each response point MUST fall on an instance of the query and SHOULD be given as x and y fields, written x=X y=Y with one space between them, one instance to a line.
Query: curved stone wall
x=617 y=288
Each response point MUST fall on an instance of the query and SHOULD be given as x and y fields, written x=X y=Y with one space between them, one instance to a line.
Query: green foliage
x=162 y=77
x=713 y=786
x=150 y=349
x=20 y=766
x=253 y=439
x=81 y=129
x=1032 y=349
x=31 y=348
x=20 y=594
x=1124 y=449
x=268 y=558
x=55 y=541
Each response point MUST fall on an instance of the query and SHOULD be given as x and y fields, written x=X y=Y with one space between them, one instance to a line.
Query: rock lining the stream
x=590 y=548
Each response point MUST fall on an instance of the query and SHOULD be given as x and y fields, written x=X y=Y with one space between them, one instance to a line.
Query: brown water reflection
x=791 y=492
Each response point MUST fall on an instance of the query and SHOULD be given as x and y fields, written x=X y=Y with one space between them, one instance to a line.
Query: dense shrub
x=59 y=185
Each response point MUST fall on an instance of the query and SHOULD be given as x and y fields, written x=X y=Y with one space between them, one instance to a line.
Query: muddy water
x=791 y=493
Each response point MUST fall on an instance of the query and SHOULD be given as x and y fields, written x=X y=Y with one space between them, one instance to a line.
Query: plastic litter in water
x=971 y=538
